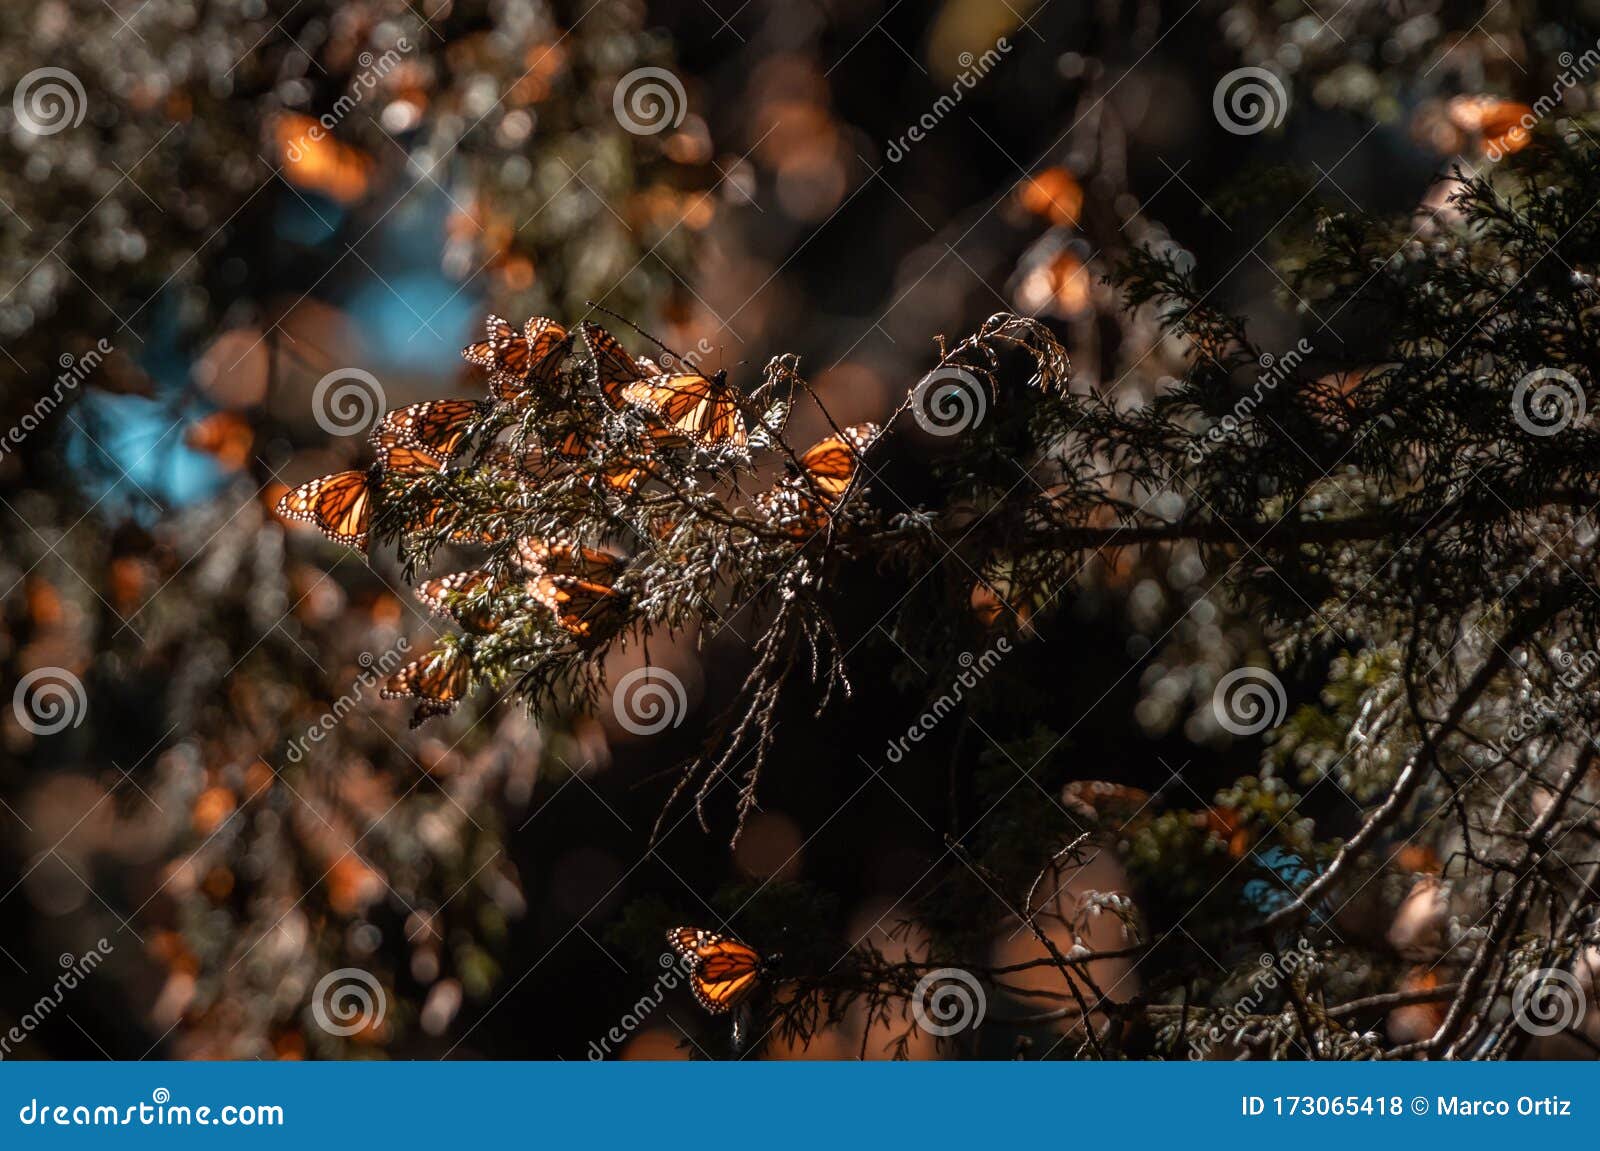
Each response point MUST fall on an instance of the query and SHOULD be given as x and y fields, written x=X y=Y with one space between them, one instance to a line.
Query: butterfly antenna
x=635 y=327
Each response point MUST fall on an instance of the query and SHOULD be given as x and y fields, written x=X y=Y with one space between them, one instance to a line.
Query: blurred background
x=207 y=208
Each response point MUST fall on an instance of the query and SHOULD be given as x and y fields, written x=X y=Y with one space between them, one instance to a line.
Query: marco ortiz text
x=973 y=69
x=974 y=671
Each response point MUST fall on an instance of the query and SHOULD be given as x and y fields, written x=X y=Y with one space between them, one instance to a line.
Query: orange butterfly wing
x=438 y=426
x=452 y=596
x=548 y=346
x=800 y=505
x=502 y=349
x=722 y=970
x=339 y=504
x=400 y=456
x=703 y=410
x=614 y=369
x=439 y=680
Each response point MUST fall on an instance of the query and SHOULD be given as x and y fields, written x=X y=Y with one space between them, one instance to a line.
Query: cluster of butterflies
x=578 y=377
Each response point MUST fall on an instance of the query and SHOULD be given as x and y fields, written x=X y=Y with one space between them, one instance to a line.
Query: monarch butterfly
x=705 y=411
x=567 y=558
x=340 y=505
x=574 y=583
x=614 y=369
x=438 y=680
x=722 y=971
x=518 y=359
x=585 y=608
x=440 y=426
x=451 y=512
x=398 y=455
x=801 y=504
x=454 y=596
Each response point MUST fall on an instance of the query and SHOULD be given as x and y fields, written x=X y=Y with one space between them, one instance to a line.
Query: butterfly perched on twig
x=518 y=362
x=686 y=406
x=802 y=504
x=438 y=427
x=438 y=680
x=722 y=971
x=457 y=597
x=575 y=583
